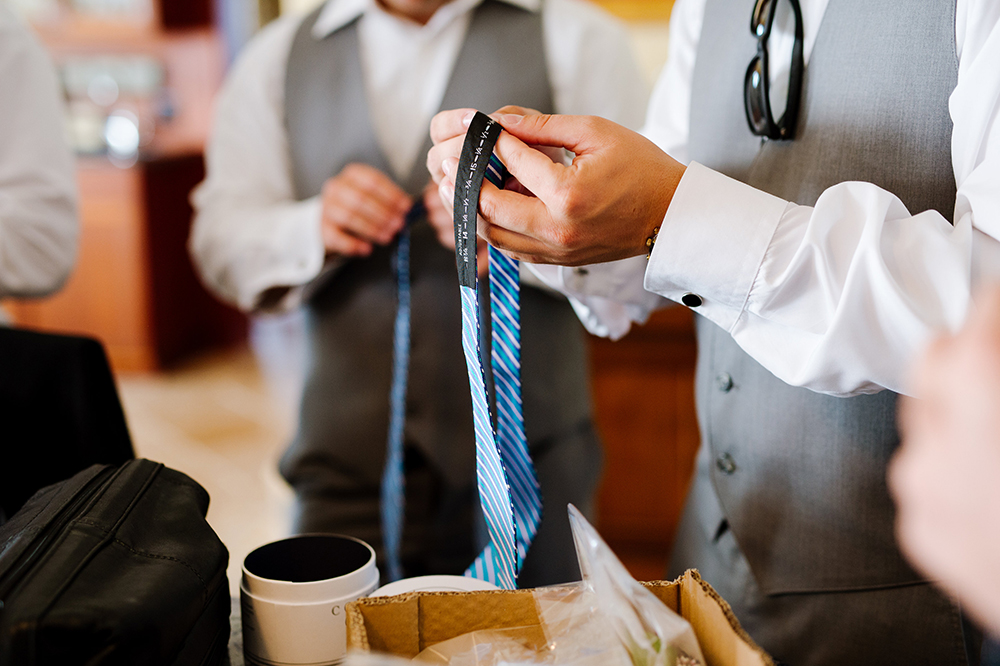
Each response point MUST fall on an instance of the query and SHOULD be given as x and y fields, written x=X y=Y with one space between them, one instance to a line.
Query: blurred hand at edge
x=945 y=477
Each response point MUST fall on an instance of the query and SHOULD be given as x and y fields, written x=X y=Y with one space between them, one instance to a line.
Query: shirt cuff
x=295 y=258
x=711 y=244
x=608 y=298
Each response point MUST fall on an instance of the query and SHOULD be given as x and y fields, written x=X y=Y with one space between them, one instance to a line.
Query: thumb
x=574 y=133
x=531 y=168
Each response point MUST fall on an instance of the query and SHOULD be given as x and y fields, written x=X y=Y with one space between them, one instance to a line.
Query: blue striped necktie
x=508 y=486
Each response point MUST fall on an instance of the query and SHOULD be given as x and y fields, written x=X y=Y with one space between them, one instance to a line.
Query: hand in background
x=362 y=207
x=440 y=217
x=946 y=475
x=601 y=207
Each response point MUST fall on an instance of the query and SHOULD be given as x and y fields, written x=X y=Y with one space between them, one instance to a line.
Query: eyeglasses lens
x=761 y=13
x=754 y=93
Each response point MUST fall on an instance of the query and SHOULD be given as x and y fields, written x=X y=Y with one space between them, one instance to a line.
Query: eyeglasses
x=756 y=88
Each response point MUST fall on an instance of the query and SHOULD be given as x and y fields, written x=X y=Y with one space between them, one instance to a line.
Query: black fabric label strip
x=476 y=151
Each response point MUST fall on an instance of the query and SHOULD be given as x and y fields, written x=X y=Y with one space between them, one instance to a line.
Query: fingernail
x=448 y=166
x=447 y=190
x=467 y=118
x=510 y=119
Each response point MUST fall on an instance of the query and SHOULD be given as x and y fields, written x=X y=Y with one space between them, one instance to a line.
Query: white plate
x=434 y=584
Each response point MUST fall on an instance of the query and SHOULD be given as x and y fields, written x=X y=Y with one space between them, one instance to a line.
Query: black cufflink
x=691 y=300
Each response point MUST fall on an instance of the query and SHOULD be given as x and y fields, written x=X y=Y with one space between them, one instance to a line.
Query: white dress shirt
x=38 y=223
x=251 y=234
x=840 y=313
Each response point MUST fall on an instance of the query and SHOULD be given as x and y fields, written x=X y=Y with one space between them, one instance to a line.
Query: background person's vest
x=801 y=476
x=345 y=407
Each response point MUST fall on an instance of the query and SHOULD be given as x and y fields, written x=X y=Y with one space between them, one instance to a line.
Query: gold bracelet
x=650 y=242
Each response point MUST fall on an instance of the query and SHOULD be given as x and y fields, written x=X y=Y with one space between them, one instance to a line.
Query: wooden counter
x=643 y=387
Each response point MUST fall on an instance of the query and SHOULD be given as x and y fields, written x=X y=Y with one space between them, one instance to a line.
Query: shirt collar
x=338 y=13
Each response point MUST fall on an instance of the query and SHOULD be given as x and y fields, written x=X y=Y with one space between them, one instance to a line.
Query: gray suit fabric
x=789 y=515
x=335 y=462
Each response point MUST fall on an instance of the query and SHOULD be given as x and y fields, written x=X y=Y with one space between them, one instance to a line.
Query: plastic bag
x=576 y=627
x=358 y=658
x=516 y=645
x=652 y=634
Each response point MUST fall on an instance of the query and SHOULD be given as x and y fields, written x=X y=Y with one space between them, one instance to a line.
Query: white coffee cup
x=293 y=594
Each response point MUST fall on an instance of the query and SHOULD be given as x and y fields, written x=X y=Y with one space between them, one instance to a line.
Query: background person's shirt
x=251 y=235
x=38 y=221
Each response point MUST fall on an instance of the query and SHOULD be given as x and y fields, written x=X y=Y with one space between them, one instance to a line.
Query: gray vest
x=345 y=407
x=801 y=476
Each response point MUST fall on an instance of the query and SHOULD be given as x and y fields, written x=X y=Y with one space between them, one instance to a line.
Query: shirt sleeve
x=38 y=218
x=610 y=297
x=593 y=72
x=840 y=296
x=591 y=64
x=251 y=237
x=668 y=116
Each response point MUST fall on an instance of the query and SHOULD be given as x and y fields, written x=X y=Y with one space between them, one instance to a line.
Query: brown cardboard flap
x=666 y=591
x=723 y=641
x=385 y=624
x=406 y=624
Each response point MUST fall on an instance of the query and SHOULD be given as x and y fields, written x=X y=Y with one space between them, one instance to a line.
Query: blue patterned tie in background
x=393 y=480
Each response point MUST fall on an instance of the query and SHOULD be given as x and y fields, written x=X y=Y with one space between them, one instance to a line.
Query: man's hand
x=362 y=207
x=440 y=209
x=448 y=130
x=440 y=218
x=601 y=207
x=946 y=475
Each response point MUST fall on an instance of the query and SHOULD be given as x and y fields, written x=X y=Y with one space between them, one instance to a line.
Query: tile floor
x=215 y=419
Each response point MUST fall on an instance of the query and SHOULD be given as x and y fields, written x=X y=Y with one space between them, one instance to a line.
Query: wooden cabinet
x=643 y=387
x=133 y=286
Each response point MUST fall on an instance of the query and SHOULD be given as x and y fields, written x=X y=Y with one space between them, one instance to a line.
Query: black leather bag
x=115 y=565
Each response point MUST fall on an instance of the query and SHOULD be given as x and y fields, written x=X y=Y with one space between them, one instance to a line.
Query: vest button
x=691 y=300
x=726 y=464
x=724 y=382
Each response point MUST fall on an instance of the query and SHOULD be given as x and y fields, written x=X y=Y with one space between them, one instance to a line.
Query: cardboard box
x=406 y=624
